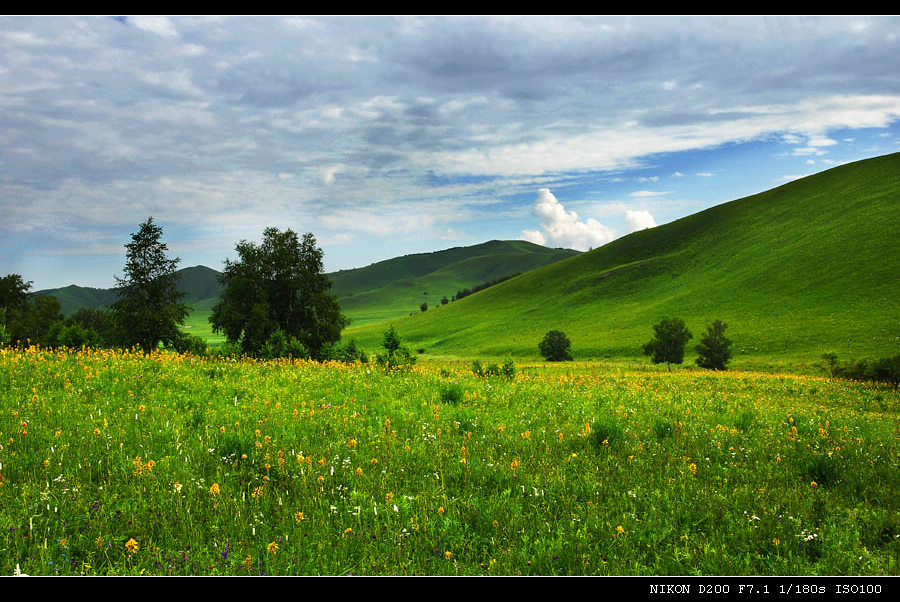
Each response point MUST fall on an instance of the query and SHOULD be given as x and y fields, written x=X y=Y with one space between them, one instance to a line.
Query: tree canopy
x=555 y=347
x=279 y=284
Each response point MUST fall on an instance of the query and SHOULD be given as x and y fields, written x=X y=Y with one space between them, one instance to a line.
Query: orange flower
x=272 y=548
x=131 y=546
x=214 y=490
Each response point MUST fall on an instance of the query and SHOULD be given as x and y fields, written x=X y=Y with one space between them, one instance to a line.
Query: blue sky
x=392 y=135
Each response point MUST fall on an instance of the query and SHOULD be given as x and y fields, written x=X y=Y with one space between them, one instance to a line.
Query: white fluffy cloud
x=562 y=228
x=639 y=220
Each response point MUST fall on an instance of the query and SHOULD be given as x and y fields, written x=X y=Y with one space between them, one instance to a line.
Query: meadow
x=113 y=462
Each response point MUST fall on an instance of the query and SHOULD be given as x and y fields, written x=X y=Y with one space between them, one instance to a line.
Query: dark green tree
x=15 y=308
x=150 y=307
x=714 y=348
x=279 y=284
x=555 y=347
x=395 y=354
x=667 y=346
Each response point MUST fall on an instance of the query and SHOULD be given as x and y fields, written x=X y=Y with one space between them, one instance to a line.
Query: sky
x=391 y=135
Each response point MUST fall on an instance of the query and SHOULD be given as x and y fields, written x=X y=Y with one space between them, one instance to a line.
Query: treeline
x=480 y=287
x=26 y=318
x=883 y=370
x=275 y=303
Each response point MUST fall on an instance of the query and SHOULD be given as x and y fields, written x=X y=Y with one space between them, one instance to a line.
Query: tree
x=14 y=307
x=424 y=307
x=714 y=347
x=667 y=346
x=279 y=284
x=396 y=355
x=555 y=347
x=150 y=307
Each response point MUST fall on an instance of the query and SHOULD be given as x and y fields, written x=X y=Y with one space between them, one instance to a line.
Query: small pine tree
x=667 y=346
x=150 y=307
x=395 y=355
x=714 y=347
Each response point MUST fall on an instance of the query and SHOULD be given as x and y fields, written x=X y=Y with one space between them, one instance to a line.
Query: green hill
x=797 y=271
x=199 y=283
x=396 y=287
x=385 y=290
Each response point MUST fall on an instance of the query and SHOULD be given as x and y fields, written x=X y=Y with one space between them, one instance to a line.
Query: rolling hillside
x=388 y=289
x=802 y=269
x=396 y=287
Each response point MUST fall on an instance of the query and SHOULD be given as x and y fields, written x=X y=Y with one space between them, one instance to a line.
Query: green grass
x=572 y=470
x=795 y=272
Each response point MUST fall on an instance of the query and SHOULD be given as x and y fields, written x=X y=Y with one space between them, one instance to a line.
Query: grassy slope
x=396 y=287
x=802 y=269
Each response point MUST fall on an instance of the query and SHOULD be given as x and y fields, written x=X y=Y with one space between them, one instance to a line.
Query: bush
x=477 y=370
x=509 y=368
x=452 y=394
x=280 y=345
x=885 y=370
x=555 y=347
x=189 y=343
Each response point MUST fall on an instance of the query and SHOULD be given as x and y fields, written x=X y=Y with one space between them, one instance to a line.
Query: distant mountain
x=383 y=290
x=200 y=284
x=797 y=271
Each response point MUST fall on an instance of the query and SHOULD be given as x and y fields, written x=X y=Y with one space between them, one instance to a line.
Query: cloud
x=639 y=220
x=161 y=26
x=562 y=228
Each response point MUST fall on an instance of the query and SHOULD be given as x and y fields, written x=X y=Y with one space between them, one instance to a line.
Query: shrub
x=452 y=394
x=555 y=347
x=477 y=369
x=509 y=368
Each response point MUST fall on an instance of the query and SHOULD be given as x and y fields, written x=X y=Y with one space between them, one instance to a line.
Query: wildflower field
x=119 y=463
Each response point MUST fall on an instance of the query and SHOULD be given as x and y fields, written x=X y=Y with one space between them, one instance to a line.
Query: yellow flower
x=131 y=546
x=514 y=465
x=813 y=484
x=620 y=530
x=272 y=548
x=693 y=468
x=214 y=490
x=298 y=516
x=358 y=471
x=348 y=531
x=448 y=554
x=441 y=510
